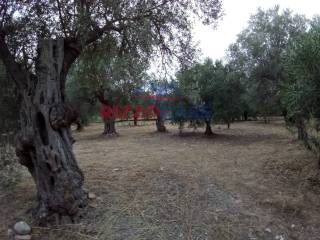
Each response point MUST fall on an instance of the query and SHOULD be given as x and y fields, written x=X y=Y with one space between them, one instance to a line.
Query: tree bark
x=109 y=121
x=302 y=133
x=44 y=143
x=109 y=126
x=245 y=116
x=79 y=125
x=208 y=131
x=160 y=125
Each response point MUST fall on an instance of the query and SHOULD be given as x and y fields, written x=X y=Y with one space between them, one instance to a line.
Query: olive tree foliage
x=229 y=92
x=194 y=87
x=9 y=103
x=301 y=91
x=81 y=101
x=40 y=41
x=9 y=111
x=162 y=98
x=106 y=74
x=141 y=26
x=214 y=87
x=258 y=53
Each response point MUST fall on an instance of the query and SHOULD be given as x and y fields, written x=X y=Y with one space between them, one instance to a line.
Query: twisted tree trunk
x=44 y=143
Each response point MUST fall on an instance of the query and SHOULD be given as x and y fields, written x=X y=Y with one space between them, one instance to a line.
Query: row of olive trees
x=278 y=55
x=272 y=69
x=105 y=78
x=209 y=92
x=301 y=89
x=259 y=54
x=250 y=82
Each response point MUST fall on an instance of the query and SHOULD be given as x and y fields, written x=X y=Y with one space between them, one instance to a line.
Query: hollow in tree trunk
x=44 y=143
x=208 y=131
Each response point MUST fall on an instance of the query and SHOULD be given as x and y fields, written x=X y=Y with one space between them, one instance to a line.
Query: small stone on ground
x=22 y=228
x=92 y=196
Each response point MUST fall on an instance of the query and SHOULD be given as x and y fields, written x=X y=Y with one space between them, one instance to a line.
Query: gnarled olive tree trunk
x=44 y=144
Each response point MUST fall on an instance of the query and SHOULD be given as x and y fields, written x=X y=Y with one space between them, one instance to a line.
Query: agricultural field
x=253 y=181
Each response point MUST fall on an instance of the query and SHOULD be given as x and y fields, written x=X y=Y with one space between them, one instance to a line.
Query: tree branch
x=15 y=70
x=61 y=19
x=74 y=46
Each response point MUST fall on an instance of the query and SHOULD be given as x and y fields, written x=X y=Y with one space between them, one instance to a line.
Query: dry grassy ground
x=253 y=181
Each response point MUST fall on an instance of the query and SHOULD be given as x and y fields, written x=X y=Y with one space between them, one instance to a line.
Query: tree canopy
x=258 y=53
x=141 y=28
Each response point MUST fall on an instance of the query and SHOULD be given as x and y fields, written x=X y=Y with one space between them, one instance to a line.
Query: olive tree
x=259 y=52
x=197 y=85
x=300 y=92
x=40 y=41
x=107 y=74
x=213 y=87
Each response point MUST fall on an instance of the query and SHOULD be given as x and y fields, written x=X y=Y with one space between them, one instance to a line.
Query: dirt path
x=250 y=182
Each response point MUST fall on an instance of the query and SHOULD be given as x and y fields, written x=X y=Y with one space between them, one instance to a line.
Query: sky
x=214 y=42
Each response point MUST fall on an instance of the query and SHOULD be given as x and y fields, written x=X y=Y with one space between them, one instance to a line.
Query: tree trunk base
x=301 y=126
x=80 y=127
x=208 y=131
x=115 y=134
x=161 y=128
x=110 y=127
